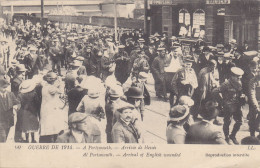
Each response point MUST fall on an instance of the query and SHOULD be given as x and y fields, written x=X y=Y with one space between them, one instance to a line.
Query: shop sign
x=217 y=2
x=162 y=2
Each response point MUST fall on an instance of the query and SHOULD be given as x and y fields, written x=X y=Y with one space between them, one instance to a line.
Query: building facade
x=221 y=20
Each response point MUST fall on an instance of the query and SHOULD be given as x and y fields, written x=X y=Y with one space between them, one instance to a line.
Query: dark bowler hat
x=206 y=49
x=77 y=117
x=210 y=110
x=135 y=92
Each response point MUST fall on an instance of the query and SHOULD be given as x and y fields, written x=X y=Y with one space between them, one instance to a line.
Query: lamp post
x=115 y=20
x=145 y=17
x=42 y=9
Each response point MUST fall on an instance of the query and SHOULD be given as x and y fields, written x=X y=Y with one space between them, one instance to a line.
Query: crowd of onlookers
x=204 y=85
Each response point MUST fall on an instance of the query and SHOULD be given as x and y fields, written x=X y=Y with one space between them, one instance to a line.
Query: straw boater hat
x=178 y=113
x=233 y=41
x=93 y=92
x=237 y=71
x=27 y=86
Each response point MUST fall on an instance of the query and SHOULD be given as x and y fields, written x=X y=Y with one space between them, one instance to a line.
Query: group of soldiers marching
x=204 y=85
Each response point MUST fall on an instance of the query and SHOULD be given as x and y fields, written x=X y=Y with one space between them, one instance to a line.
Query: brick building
x=221 y=20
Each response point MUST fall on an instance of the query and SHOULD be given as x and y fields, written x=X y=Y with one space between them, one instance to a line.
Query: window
x=184 y=17
x=184 y=21
x=198 y=22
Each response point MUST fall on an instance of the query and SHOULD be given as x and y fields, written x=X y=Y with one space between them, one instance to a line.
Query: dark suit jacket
x=204 y=133
x=15 y=83
x=122 y=133
x=6 y=109
x=74 y=97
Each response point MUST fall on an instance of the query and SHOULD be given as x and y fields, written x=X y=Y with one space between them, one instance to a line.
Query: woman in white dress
x=53 y=118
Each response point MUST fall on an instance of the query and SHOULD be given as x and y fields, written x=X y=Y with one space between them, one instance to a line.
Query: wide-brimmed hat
x=27 y=86
x=178 y=113
x=134 y=92
x=237 y=71
x=186 y=100
x=93 y=92
x=116 y=91
x=76 y=63
x=79 y=58
x=210 y=111
x=251 y=53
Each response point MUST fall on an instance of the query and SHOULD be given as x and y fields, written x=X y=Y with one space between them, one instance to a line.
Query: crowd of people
x=90 y=103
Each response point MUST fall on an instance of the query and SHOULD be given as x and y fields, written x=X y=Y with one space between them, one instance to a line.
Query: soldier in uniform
x=32 y=62
x=253 y=101
x=140 y=83
x=233 y=99
x=55 y=53
x=159 y=74
x=184 y=81
x=106 y=64
x=140 y=64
